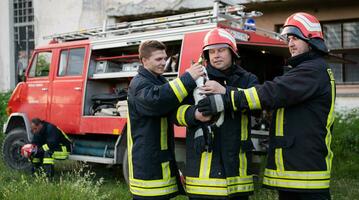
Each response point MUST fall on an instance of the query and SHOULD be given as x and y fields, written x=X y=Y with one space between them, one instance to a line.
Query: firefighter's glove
x=212 y=104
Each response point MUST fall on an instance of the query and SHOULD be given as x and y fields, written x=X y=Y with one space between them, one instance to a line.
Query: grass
x=74 y=180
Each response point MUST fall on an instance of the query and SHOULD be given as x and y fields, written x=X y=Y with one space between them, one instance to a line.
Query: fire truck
x=79 y=80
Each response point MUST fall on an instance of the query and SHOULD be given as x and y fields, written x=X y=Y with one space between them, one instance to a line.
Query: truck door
x=36 y=102
x=67 y=89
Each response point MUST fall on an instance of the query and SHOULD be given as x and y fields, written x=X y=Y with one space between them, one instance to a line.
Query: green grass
x=74 y=180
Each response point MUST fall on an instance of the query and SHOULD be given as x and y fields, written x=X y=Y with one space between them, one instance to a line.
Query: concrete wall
x=7 y=69
x=66 y=16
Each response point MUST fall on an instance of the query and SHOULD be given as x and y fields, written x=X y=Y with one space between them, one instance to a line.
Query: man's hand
x=196 y=70
x=212 y=104
x=213 y=87
x=200 y=117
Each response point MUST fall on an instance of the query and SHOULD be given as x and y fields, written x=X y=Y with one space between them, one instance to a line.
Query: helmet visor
x=215 y=46
x=292 y=30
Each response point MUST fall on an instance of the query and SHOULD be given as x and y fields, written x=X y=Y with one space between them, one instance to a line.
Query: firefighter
x=49 y=143
x=153 y=173
x=218 y=168
x=299 y=156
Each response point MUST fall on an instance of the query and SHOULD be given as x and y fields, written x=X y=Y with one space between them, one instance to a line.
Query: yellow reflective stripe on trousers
x=49 y=161
x=244 y=137
x=45 y=147
x=240 y=188
x=181 y=115
x=279 y=132
x=297 y=184
x=252 y=98
x=330 y=121
x=205 y=168
x=164 y=133
x=304 y=175
x=179 y=89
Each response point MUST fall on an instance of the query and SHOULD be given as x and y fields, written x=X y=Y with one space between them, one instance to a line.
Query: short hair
x=147 y=47
x=37 y=121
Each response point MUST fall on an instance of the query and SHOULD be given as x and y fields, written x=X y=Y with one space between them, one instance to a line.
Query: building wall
x=67 y=16
x=7 y=72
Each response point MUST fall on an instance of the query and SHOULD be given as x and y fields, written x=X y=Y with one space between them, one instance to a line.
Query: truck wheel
x=11 y=149
x=125 y=166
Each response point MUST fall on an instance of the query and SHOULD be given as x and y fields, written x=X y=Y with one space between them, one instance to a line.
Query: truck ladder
x=223 y=10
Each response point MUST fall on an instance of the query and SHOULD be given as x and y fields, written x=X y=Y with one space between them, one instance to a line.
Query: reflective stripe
x=244 y=137
x=152 y=183
x=181 y=115
x=64 y=134
x=279 y=122
x=305 y=175
x=240 y=188
x=205 y=167
x=129 y=147
x=45 y=147
x=214 y=182
x=179 y=89
x=252 y=98
x=164 y=133
x=61 y=155
x=154 y=191
x=297 y=184
x=233 y=103
x=48 y=161
x=239 y=180
x=244 y=127
x=279 y=132
x=166 y=171
x=330 y=121
x=215 y=191
x=35 y=160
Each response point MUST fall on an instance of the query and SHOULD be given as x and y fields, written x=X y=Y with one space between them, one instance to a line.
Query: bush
x=4 y=98
x=77 y=184
x=345 y=144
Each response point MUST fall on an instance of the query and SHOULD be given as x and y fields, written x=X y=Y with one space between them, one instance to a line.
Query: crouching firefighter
x=49 y=143
x=217 y=168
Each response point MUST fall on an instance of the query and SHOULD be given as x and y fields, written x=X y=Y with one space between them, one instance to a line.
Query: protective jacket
x=299 y=156
x=150 y=138
x=50 y=138
x=52 y=144
x=223 y=172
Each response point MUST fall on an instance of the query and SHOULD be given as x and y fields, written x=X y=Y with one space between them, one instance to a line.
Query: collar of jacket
x=214 y=73
x=159 y=79
x=296 y=60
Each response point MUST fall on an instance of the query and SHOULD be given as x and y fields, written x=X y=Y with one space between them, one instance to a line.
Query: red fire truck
x=78 y=81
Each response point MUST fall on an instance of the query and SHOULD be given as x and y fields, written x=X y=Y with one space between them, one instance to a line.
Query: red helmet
x=27 y=150
x=218 y=38
x=307 y=28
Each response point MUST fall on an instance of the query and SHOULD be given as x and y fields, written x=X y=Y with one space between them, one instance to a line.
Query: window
x=71 y=62
x=41 y=65
x=343 y=37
